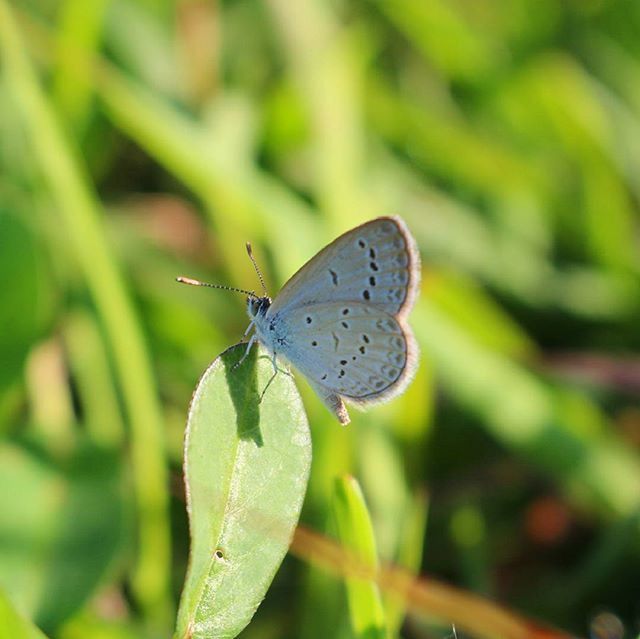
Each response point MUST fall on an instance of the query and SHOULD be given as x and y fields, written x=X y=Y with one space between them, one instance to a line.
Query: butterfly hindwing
x=351 y=349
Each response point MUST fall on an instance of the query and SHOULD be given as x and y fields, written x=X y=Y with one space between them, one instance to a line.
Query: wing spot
x=379 y=384
x=361 y=243
x=343 y=362
x=365 y=338
x=354 y=358
x=397 y=358
x=345 y=311
x=372 y=280
x=314 y=343
x=324 y=377
x=336 y=341
x=372 y=254
x=386 y=325
x=373 y=266
x=390 y=371
x=366 y=294
x=341 y=374
x=334 y=277
x=345 y=324
x=308 y=320
x=362 y=349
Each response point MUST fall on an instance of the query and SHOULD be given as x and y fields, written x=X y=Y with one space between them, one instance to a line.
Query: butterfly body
x=340 y=320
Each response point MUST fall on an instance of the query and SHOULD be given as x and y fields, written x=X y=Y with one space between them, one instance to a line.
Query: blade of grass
x=243 y=192
x=13 y=625
x=356 y=532
x=519 y=410
x=414 y=525
x=80 y=211
x=325 y=62
x=240 y=192
x=435 y=136
x=512 y=266
x=79 y=28
x=443 y=37
x=424 y=597
x=90 y=366
x=463 y=300
x=141 y=41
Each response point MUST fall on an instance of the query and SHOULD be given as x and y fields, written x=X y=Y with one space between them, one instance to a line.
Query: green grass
x=141 y=140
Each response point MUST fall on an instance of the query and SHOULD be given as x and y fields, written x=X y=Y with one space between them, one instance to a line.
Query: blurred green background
x=144 y=139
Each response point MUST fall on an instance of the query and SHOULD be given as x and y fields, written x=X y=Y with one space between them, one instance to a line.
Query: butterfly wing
x=349 y=350
x=376 y=263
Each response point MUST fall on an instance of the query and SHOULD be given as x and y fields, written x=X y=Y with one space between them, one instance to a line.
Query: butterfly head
x=257 y=306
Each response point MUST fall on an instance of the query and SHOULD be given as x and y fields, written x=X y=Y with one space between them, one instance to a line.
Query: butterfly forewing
x=354 y=350
x=376 y=263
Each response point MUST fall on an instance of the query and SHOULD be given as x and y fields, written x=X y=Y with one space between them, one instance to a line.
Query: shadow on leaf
x=243 y=388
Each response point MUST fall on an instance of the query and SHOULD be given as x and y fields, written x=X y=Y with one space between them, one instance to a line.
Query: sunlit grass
x=143 y=140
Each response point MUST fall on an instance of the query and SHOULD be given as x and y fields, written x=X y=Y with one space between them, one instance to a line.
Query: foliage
x=246 y=469
x=144 y=139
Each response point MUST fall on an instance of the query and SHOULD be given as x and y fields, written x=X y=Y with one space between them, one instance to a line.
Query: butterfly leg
x=286 y=371
x=249 y=345
x=276 y=370
x=248 y=330
x=279 y=369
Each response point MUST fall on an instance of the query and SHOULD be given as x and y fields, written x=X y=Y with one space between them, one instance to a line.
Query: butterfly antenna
x=255 y=265
x=192 y=282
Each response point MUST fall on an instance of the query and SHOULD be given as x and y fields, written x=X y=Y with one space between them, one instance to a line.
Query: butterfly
x=341 y=318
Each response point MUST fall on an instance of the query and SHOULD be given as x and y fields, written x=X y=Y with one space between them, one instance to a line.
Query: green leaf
x=246 y=470
x=61 y=526
x=13 y=625
x=356 y=533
